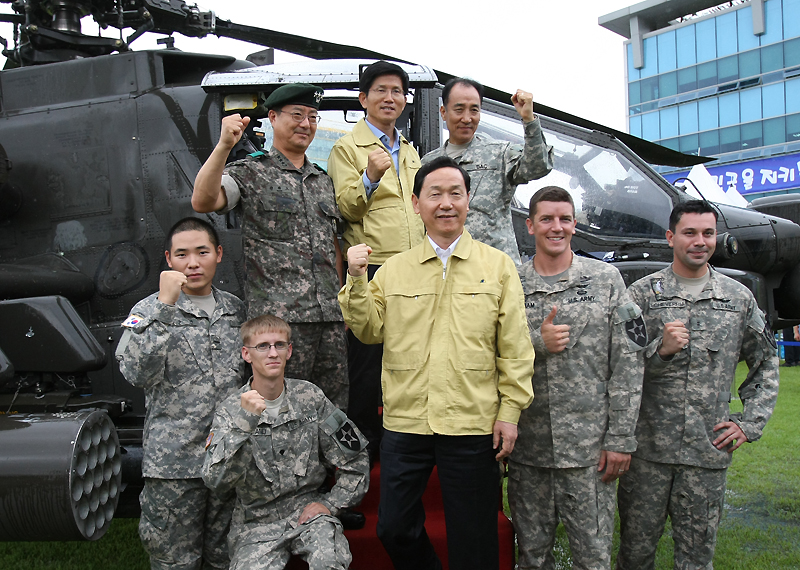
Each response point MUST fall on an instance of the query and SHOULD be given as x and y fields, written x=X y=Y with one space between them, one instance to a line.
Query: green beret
x=295 y=94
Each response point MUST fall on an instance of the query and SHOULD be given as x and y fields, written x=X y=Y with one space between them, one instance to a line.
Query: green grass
x=760 y=526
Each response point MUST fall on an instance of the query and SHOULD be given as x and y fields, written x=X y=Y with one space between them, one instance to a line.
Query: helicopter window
x=612 y=197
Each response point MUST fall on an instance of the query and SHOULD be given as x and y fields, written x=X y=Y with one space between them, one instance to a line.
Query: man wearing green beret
x=289 y=219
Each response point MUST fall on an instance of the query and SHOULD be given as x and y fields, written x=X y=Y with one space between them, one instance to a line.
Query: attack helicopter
x=84 y=211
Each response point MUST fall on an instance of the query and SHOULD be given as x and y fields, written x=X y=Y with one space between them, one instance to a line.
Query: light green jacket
x=386 y=221
x=457 y=354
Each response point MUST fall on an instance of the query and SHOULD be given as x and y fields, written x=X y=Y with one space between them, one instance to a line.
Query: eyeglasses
x=280 y=346
x=396 y=93
x=298 y=117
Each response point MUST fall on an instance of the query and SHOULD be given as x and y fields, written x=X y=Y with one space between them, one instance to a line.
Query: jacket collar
x=672 y=287
x=462 y=251
x=574 y=275
x=223 y=307
x=363 y=136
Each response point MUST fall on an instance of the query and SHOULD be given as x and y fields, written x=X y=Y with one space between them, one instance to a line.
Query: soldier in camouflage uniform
x=495 y=167
x=576 y=437
x=272 y=442
x=292 y=254
x=701 y=323
x=181 y=345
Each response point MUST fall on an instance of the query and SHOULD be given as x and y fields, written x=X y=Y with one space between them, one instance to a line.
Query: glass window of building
x=774 y=131
x=687 y=79
x=747 y=39
x=634 y=96
x=706 y=74
x=674 y=144
x=793 y=95
x=750 y=105
x=666 y=51
x=771 y=58
x=650 y=130
x=650 y=57
x=709 y=143
x=708 y=110
x=773 y=16
x=728 y=69
x=687 y=116
x=772 y=100
x=729 y=140
x=649 y=89
x=793 y=128
x=728 y=109
x=706 y=34
x=684 y=38
x=726 y=34
x=749 y=63
x=791 y=18
x=751 y=135
x=635 y=126
x=669 y=122
x=690 y=144
x=667 y=84
x=791 y=52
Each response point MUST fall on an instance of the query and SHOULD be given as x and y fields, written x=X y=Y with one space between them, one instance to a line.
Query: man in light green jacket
x=457 y=369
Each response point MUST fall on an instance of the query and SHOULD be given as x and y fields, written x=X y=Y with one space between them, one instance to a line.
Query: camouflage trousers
x=320 y=542
x=693 y=499
x=539 y=497
x=319 y=356
x=184 y=525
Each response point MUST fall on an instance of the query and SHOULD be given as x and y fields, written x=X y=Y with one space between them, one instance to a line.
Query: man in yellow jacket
x=457 y=367
x=373 y=171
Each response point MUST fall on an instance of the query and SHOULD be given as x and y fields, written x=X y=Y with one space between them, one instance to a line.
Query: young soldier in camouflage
x=702 y=323
x=272 y=442
x=496 y=167
x=181 y=346
x=292 y=255
x=576 y=437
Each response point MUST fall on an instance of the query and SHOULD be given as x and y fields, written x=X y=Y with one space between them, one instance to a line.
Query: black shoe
x=351 y=519
x=788 y=364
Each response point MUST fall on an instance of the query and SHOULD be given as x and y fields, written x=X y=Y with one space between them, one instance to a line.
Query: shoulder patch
x=132 y=321
x=344 y=432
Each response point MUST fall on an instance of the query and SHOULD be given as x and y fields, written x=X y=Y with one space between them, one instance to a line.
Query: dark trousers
x=469 y=478
x=364 y=369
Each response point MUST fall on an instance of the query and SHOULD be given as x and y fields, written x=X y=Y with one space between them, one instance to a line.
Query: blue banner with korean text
x=762 y=175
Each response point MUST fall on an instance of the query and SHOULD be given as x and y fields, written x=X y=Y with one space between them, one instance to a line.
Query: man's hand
x=312 y=510
x=169 y=286
x=378 y=162
x=615 y=464
x=233 y=127
x=504 y=435
x=674 y=339
x=732 y=432
x=253 y=402
x=523 y=102
x=358 y=259
x=555 y=337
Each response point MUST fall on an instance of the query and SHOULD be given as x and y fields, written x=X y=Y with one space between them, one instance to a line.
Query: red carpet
x=368 y=553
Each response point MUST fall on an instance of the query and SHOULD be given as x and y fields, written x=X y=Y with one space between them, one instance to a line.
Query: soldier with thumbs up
x=576 y=438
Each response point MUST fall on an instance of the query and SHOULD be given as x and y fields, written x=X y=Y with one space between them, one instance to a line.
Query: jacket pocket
x=276 y=217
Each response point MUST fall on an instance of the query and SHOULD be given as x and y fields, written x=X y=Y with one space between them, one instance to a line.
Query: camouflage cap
x=295 y=94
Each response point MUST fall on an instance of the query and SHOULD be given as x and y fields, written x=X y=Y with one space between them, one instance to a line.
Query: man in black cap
x=289 y=219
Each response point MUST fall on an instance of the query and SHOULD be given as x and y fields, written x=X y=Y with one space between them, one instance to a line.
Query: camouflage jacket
x=685 y=397
x=277 y=466
x=495 y=168
x=289 y=220
x=587 y=396
x=187 y=364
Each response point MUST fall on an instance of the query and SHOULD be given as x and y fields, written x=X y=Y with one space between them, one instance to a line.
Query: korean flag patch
x=132 y=321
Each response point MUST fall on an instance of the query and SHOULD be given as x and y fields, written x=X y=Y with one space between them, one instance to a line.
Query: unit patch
x=346 y=437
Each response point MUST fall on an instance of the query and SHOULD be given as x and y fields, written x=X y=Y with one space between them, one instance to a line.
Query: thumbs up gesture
x=555 y=337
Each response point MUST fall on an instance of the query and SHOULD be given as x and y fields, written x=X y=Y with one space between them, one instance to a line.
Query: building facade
x=718 y=80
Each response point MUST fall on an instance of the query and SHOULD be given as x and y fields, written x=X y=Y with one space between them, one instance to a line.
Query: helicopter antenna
x=684 y=180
